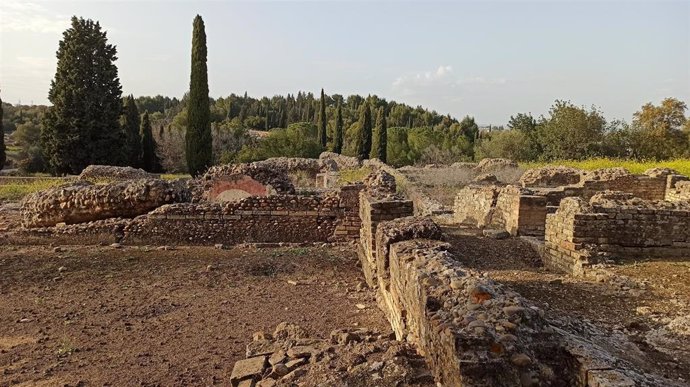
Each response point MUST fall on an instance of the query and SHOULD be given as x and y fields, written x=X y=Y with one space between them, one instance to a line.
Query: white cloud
x=30 y=17
x=441 y=82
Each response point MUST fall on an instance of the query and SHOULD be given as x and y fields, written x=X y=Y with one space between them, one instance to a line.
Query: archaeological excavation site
x=337 y=272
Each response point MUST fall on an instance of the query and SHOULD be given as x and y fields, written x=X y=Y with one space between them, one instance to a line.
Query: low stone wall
x=256 y=219
x=677 y=188
x=522 y=211
x=516 y=210
x=110 y=172
x=372 y=211
x=614 y=226
x=83 y=202
x=472 y=331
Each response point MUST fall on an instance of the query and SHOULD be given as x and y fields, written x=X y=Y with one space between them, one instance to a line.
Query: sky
x=487 y=59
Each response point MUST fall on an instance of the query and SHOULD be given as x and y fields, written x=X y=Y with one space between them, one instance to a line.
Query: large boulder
x=84 y=202
x=550 y=177
x=109 y=172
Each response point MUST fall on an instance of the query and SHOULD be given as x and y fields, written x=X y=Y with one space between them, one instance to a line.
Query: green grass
x=636 y=167
x=349 y=176
x=17 y=190
x=173 y=176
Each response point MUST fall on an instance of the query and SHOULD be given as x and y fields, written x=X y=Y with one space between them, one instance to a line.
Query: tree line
x=90 y=122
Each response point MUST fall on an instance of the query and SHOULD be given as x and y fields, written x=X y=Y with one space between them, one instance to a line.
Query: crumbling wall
x=614 y=226
x=550 y=177
x=677 y=188
x=516 y=210
x=372 y=211
x=110 y=172
x=255 y=219
x=83 y=201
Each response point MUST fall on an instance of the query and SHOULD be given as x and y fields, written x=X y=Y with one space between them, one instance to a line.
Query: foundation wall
x=580 y=234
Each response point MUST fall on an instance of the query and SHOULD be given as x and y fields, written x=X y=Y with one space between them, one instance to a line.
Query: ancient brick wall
x=372 y=211
x=508 y=208
x=255 y=219
x=614 y=226
x=471 y=331
x=677 y=188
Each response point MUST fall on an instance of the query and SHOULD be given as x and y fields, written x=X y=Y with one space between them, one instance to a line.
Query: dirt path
x=618 y=310
x=138 y=316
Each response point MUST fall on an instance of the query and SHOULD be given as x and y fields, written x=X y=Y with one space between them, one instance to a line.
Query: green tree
x=149 y=160
x=3 y=155
x=570 y=132
x=82 y=127
x=338 y=140
x=382 y=135
x=130 y=122
x=509 y=144
x=199 y=142
x=658 y=130
x=323 y=138
x=364 y=132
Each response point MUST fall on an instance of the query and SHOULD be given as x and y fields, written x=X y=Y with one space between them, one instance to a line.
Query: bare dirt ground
x=87 y=315
x=622 y=310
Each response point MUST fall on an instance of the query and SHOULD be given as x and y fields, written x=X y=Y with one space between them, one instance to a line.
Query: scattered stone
x=293 y=282
x=521 y=360
x=116 y=245
x=62 y=269
x=360 y=306
x=248 y=369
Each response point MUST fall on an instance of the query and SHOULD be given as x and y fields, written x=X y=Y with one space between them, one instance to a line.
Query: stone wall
x=83 y=201
x=614 y=226
x=677 y=188
x=472 y=331
x=516 y=210
x=522 y=211
x=256 y=219
x=372 y=211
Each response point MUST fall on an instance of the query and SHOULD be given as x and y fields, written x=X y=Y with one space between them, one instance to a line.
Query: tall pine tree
x=82 y=125
x=382 y=135
x=3 y=155
x=149 y=160
x=364 y=134
x=199 y=142
x=338 y=135
x=130 y=129
x=323 y=138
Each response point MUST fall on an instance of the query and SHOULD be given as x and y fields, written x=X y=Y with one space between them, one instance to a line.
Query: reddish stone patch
x=233 y=188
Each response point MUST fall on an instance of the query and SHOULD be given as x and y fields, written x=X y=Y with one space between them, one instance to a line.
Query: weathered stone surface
x=550 y=177
x=272 y=176
x=248 y=369
x=614 y=225
x=486 y=178
x=488 y=165
x=109 y=172
x=335 y=162
x=380 y=183
x=83 y=202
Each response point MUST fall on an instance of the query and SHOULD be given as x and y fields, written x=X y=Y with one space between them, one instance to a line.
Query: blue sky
x=489 y=59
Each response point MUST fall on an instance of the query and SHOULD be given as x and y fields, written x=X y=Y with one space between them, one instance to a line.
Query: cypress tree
x=198 y=138
x=130 y=129
x=3 y=155
x=364 y=135
x=382 y=132
x=149 y=160
x=82 y=126
x=323 y=138
x=338 y=140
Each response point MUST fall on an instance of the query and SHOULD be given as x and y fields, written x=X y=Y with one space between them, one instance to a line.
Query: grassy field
x=17 y=190
x=680 y=165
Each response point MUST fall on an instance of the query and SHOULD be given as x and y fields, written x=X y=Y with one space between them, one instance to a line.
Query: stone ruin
x=470 y=330
x=109 y=172
x=581 y=224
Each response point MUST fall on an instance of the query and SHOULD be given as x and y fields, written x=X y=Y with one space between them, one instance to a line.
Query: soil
x=85 y=315
x=615 y=309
